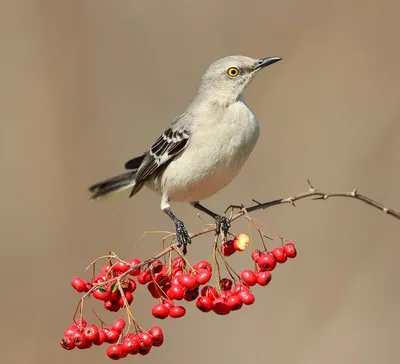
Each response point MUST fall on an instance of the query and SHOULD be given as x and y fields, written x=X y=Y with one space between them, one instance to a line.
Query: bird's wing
x=172 y=142
x=135 y=163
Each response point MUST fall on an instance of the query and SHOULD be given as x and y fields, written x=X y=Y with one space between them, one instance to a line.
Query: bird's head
x=227 y=78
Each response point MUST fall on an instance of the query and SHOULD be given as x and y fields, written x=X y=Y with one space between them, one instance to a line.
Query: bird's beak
x=264 y=62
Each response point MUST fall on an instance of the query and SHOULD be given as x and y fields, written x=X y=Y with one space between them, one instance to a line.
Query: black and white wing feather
x=172 y=142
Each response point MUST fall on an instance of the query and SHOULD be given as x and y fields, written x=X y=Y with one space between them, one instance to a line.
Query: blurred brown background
x=85 y=85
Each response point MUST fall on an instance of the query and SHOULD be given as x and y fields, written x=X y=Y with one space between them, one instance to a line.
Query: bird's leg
x=182 y=236
x=222 y=223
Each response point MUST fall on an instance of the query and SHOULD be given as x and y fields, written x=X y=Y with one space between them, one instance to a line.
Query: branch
x=319 y=195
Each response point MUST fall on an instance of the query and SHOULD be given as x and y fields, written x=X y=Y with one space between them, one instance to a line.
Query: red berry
x=130 y=345
x=234 y=303
x=255 y=254
x=177 y=311
x=168 y=304
x=114 y=292
x=145 y=340
x=154 y=290
x=118 y=325
x=88 y=344
x=112 y=335
x=179 y=263
x=144 y=352
x=204 y=304
x=105 y=269
x=79 y=340
x=161 y=279
x=177 y=272
x=202 y=265
x=249 y=277
x=80 y=323
x=101 y=338
x=121 y=267
x=99 y=279
x=88 y=287
x=67 y=343
x=203 y=277
x=191 y=294
x=114 y=352
x=209 y=291
x=157 y=335
x=165 y=289
x=135 y=261
x=290 y=250
x=101 y=294
x=225 y=284
x=279 y=254
x=144 y=277
x=160 y=311
x=129 y=285
x=162 y=276
x=79 y=284
x=239 y=287
x=112 y=306
x=220 y=307
x=156 y=266
x=264 y=278
x=227 y=249
x=175 y=280
x=246 y=297
x=241 y=242
x=226 y=294
x=187 y=281
x=176 y=292
x=70 y=330
x=266 y=262
x=129 y=298
x=91 y=333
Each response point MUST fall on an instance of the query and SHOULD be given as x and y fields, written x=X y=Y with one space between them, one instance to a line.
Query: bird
x=202 y=150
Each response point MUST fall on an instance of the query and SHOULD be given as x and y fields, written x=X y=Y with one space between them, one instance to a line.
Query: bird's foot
x=182 y=236
x=222 y=224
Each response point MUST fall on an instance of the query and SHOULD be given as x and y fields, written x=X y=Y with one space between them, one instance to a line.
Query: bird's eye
x=232 y=71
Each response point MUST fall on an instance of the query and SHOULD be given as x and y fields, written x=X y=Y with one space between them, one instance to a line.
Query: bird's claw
x=182 y=236
x=222 y=224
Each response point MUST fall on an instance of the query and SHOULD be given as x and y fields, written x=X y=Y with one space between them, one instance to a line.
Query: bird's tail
x=113 y=185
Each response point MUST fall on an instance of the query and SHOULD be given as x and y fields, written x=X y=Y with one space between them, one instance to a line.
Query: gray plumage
x=204 y=148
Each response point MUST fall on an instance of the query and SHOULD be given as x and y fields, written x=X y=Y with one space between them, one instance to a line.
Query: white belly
x=212 y=159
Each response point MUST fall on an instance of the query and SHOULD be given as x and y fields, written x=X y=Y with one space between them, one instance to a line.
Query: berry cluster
x=114 y=296
x=83 y=336
x=191 y=286
x=170 y=281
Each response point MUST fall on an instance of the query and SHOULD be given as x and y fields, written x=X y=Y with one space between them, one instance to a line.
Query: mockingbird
x=203 y=149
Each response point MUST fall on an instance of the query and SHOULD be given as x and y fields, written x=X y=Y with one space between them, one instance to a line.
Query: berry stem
x=272 y=231
x=169 y=233
x=95 y=313
x=96 y=260
x=127 y=308
x=260 y=232
x=229 y=268
x=215 y=259
x=183 y=257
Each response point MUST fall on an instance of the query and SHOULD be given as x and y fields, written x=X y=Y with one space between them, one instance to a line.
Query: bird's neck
x=217 y=97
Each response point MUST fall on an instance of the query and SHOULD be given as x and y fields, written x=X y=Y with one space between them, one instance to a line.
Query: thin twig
x=319 y=196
